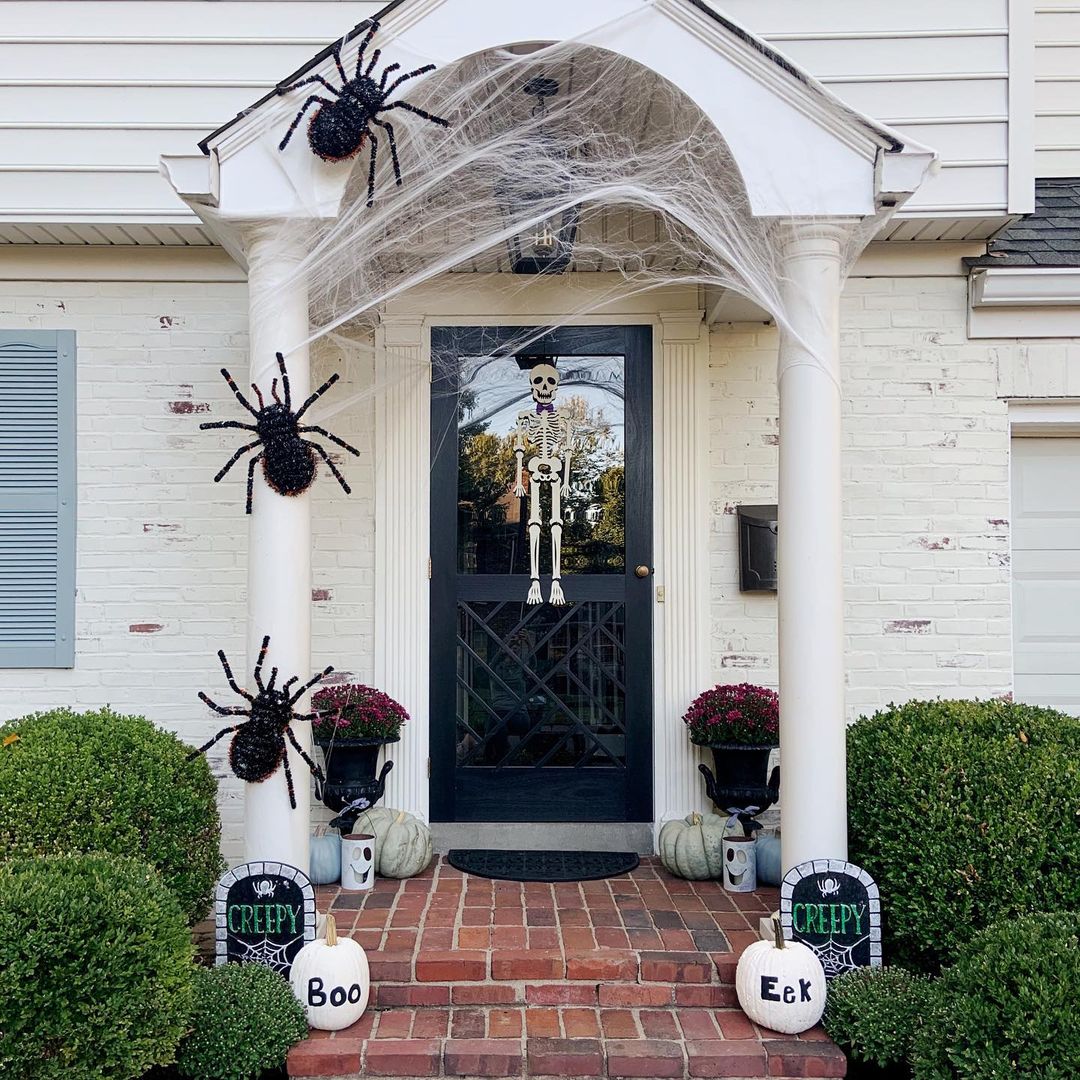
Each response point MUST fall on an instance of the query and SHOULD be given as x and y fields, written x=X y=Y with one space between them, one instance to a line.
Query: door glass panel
x=541 y=686
x=492 y=522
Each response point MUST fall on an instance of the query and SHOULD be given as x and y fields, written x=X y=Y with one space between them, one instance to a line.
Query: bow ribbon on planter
x=737 y=814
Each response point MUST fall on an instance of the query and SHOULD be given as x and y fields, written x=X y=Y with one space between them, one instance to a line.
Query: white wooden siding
x=91 y=93
x=1057 y=88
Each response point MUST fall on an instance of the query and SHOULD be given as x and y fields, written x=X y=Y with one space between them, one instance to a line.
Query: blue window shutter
x=37 y=498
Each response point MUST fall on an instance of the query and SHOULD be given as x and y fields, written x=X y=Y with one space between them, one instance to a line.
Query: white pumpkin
x=330 y=977
x=781 y=984
x=403 y=845
x=690 y=847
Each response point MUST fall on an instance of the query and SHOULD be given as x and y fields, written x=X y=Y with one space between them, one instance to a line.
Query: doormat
x=542 y=865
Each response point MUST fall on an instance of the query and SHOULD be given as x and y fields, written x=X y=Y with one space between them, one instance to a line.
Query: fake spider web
x=266 y=952
x=836 y=959
x=658 y=197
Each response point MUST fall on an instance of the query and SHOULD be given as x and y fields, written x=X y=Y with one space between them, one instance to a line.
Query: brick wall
x=162 y=550
x=926 y=496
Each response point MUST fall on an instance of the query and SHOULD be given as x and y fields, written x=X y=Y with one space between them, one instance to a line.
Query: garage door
x=1046 y=571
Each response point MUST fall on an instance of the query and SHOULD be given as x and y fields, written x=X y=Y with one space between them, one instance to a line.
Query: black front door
x=541 y=711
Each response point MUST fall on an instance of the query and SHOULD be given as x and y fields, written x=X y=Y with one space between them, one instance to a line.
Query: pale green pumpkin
x=691 y=847
x=402 y=841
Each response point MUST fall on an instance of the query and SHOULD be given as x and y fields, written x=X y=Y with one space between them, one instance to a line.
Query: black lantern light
x=547 y=246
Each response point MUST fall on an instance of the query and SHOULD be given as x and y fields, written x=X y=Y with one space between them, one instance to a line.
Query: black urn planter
x=351 y=784
x=741 y=779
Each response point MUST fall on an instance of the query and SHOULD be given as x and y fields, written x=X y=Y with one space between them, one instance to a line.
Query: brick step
x=611 y=966
x=570 y=1042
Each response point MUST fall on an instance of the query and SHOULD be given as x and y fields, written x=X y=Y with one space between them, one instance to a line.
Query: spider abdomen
x=255 y=755
x=289 y=466
x=337 y=131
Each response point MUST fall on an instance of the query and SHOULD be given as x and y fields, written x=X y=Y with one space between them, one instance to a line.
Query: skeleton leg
x=534 y=596
x=557 y=597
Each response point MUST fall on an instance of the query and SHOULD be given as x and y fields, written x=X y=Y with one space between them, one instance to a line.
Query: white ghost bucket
x=740 y=864
x=357 y=861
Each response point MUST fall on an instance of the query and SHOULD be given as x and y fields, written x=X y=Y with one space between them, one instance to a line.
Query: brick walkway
x=630 y=977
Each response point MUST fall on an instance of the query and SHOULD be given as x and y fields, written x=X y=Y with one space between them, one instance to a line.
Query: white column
x=402 y=516
x=681 y=585
x=813 y=791
x=279 y=541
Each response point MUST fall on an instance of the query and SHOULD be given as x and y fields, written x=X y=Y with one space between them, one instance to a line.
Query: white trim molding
x=1024 y=302
x=1044 y=419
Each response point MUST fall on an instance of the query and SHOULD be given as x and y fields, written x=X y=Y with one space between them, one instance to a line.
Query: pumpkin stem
x=331 y=930
x=778 y=933
x=695 y=818
x=400 y=817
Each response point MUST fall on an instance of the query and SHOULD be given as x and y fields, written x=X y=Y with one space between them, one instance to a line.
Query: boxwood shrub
x=95 y=968
x=244 y=1019
x=98 y=781
x=964 y=812
x=874 y=1013
x=1007 y=1007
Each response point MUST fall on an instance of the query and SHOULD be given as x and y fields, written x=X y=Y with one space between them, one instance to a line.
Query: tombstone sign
x=265 y=914
x=833 y=906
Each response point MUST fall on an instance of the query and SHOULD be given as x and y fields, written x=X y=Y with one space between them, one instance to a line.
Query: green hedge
x=874 y=1013
x=244 y=1019
x=1008 y=1007
x=95 y=968
x=98 y=781
x=964 y=812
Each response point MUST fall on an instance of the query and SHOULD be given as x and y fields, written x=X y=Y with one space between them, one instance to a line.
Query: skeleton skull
x=544 y=381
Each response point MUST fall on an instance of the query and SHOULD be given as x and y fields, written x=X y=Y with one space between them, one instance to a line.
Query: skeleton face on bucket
x=544 y=381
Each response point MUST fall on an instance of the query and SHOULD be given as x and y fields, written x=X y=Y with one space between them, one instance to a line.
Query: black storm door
x=541 y=711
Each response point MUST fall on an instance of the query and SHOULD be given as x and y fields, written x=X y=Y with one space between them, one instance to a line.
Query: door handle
x=642 y=571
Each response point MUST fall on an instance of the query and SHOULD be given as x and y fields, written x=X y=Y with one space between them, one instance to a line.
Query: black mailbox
x=757 y=548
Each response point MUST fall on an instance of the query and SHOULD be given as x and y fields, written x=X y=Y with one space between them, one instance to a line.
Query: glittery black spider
x=340 y=125
x=258 y=748
x=288 y=460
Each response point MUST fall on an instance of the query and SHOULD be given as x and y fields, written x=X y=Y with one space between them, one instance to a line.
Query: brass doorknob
x=642 y=571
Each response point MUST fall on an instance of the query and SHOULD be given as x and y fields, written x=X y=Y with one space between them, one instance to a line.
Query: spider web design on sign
x=541 y=686
x=836 y=959
x=273 y=956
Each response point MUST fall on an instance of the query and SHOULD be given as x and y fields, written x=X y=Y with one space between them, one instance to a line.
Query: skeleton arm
x=519 y=453
x=568 y=453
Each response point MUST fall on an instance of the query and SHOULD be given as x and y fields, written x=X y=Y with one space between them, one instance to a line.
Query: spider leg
x=206 y=746
x=285 y=381
x=283 y=90
x=333 y=468
x=229 y=676
x=273 y=678
x=335 y=52
x=411 y=75
x=258 y=394
x=227 y=424
x=299 y=116
x=419 y=112
x=371 y=168
x=393 y=147
x=239 y=397
x=318 y=394
x=326 y=435
x=288 y=778
x=232 y=710
x=236 y=457
x=309 y=684
x=387 y=72
x=251 y=480
x=371 y=65
x=316 y=770
x=372 y=30
x=260 y=661
x=288 y=683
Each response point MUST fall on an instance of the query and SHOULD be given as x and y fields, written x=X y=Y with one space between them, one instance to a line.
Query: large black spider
x=258 y=748
x=288 y=460
x=340 y=125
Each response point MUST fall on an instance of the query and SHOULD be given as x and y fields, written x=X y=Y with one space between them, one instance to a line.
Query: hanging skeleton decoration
x=549 y=431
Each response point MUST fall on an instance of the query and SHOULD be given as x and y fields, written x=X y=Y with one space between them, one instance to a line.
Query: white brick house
x=959 y=386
